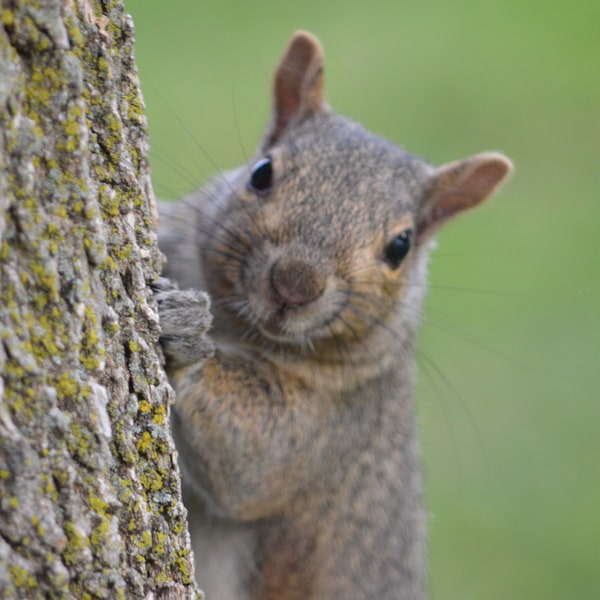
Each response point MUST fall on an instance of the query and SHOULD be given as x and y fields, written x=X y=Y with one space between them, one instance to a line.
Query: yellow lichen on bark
x=89 y=489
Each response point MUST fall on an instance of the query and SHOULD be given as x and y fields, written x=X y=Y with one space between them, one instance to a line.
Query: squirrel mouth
x=273 y=326
x=280 y=327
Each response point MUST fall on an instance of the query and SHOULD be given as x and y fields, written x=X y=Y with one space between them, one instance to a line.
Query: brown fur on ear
x=458 y=186
x=298 y=84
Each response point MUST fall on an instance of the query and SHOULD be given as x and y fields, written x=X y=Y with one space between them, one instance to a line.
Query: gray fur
x=297 y=438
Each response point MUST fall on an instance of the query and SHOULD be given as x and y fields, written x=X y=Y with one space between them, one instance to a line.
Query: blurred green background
x=510 y=355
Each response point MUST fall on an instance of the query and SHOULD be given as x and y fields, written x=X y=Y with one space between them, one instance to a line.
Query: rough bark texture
x=89 y=489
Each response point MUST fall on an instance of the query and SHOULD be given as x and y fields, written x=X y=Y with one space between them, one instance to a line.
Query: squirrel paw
x=184 y=320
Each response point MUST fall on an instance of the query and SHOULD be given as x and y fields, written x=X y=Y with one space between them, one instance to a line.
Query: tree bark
x=89 y=488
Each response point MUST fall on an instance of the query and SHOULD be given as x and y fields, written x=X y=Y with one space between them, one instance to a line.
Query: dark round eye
x=398 y=248
x=261 y=176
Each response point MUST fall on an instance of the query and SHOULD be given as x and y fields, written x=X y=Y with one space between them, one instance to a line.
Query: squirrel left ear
x=458 y=186
x=297 y=85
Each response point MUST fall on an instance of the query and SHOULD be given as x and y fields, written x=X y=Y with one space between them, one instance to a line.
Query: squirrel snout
x=296 y=282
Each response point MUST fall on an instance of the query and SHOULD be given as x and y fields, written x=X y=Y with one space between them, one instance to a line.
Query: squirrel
x=294 y=418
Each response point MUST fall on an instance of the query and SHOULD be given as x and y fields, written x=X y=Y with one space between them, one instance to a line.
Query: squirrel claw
x=163 y=284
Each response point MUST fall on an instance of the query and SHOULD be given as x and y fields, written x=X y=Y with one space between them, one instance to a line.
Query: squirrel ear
x=297 y=85
x=457 y=186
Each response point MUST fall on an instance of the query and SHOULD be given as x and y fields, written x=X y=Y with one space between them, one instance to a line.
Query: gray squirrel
x=294 y=417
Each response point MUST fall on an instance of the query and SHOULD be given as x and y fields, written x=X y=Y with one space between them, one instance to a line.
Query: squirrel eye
x=261 y=176
x=398 y=248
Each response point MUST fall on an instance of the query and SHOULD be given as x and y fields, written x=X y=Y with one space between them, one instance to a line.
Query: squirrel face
x=317 y=241
x=323 y=239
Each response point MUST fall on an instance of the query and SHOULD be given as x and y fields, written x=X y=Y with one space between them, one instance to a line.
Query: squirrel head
x=323 y=241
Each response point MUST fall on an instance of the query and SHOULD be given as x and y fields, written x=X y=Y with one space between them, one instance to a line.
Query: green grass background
x=510 y=352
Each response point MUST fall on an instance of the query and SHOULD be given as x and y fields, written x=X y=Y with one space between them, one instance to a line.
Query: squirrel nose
x=296 y=282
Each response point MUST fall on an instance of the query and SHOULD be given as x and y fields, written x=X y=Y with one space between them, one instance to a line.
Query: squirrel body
x=294 y=418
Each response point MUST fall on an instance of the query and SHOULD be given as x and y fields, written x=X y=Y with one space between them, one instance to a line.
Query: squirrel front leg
x=243 y=428
x=184 y=322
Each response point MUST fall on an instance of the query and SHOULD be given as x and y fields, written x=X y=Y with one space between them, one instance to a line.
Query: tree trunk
x=89 y=488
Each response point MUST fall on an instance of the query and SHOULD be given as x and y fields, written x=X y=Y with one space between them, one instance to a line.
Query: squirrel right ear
x=297 y=85
x=458 y=186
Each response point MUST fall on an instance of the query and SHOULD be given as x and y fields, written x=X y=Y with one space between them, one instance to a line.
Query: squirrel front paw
x=184 y=321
